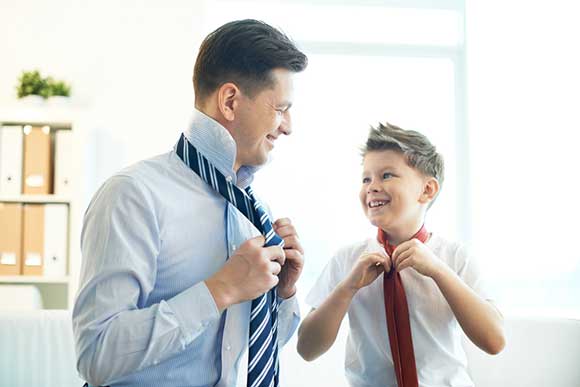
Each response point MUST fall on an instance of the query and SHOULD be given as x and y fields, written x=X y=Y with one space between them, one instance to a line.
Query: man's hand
x=294 y=252
x=416 y=254
x=366 y=270
x=249 y=273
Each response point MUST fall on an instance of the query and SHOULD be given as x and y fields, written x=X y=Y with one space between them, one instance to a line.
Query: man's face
x=391 y=191
x=262 y=119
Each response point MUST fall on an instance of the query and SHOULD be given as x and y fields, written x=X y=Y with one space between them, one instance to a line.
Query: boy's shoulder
x=351 y=252
x=451 y=251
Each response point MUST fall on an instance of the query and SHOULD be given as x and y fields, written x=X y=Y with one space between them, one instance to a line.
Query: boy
x=404 y=329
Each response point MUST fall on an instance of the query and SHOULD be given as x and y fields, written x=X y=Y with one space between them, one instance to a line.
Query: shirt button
x=229 y=179
x=228 y=347
x=234 y=247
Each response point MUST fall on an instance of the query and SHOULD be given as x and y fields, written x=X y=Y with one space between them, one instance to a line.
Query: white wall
x=129 y=62
x=524 y=95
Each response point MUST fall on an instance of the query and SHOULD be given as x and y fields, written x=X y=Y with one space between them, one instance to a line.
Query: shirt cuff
x=288 y=319
x=195 y=310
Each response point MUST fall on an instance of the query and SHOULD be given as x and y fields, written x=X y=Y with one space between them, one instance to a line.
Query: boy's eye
x=387 y=175
x=366 y=180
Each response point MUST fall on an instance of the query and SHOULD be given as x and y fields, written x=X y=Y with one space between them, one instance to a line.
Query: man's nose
x=286 y=124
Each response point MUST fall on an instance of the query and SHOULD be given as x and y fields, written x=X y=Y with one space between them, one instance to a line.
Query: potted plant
x=32 y=87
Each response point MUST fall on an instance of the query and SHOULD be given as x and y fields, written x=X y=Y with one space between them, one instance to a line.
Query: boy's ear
x=430 y=190
x=227 y=99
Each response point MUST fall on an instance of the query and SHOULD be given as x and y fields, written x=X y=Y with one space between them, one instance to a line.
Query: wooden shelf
x=22 y=279
x=35 y=199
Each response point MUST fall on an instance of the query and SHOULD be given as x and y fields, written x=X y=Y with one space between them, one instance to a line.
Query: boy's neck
x=404 y=233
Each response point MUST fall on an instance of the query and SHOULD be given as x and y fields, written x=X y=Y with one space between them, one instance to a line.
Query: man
x=171 y=257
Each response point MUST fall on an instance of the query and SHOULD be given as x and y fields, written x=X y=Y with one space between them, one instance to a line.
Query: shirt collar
x=219 y=147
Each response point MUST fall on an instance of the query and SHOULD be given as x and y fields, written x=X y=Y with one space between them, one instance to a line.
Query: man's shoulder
x=149 y=175
x=146 y=169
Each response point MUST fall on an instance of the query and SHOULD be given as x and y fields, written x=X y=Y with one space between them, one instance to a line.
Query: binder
x=10 y=238
x=55 y=240
x=11 y=160
x=33 y=239
x=37 y=161
x=63 y=144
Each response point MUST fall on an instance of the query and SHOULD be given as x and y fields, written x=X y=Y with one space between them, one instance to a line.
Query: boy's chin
x=374 y=221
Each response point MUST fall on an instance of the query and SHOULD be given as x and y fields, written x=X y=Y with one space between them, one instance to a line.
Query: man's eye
x=387 y=175
x=366 y=180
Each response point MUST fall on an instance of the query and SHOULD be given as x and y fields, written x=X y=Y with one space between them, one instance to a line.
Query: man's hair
x=244 y=52
x=418 y=150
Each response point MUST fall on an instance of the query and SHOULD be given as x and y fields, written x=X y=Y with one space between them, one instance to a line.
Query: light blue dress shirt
x=152 y=234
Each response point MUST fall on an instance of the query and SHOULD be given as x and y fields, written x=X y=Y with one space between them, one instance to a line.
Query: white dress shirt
x=437 y=336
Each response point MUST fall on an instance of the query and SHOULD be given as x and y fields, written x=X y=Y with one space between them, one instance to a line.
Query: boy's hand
x=366 y=270
x=415 y=254
x=294 y=252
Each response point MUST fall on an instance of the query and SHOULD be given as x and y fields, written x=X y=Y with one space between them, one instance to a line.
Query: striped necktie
x=263 y=336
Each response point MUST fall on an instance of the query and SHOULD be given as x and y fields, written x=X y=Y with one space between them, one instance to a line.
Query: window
x=366 y=64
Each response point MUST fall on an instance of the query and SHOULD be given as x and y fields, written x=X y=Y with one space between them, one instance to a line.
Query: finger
x=275 y=253
x=387 y=264
x=295 y=257
x=403 y=247
x=405 y=263
x=373 y=259
x=292 y=242
x=274 y=280
x=286 y=231
x=274 y=267
x=257 y=241
x=401 y=257
x=281 y=222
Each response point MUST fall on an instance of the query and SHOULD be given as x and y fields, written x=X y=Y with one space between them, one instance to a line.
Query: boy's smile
x=392 y=193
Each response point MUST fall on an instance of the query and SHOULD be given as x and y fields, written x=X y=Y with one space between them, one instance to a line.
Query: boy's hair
x=420 y=153
x=244 y=52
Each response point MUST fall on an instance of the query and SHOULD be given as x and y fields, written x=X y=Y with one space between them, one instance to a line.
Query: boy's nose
x=373 y=187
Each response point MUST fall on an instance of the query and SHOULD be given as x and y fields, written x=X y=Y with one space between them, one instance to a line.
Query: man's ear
x=430 y=190
x=227 y=97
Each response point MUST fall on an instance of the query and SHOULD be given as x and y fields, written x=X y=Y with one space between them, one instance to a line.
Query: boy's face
x=393 y=194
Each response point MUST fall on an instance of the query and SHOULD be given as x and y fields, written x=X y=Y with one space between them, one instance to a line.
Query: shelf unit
x=56 y=292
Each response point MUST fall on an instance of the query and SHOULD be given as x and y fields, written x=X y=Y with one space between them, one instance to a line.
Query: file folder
x=11 y=160
x=33 y=239
x=10 y=238
x=62 y=162
x=55 y=240
x=37 y=161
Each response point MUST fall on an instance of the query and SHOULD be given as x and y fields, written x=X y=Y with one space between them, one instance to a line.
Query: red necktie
x=398 y=324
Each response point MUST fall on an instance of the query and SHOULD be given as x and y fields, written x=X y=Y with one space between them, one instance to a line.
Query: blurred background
x=495 y=85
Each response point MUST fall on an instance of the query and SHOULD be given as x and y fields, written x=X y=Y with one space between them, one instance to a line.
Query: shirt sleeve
x=288 y=319
x=115 y=334
x=470 y=271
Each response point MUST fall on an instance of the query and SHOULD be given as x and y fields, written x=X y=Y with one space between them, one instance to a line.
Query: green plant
x=59 y=88
x=32 y=83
